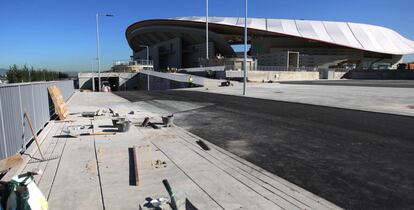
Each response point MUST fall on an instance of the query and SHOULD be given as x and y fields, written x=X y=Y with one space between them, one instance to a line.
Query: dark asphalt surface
x=355 y=159
x=366 y=83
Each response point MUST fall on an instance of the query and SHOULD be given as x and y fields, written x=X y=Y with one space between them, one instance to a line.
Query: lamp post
x=93 y=78
x=148 y=80
x=97 y=47
x=245 y=48
x=207 y=30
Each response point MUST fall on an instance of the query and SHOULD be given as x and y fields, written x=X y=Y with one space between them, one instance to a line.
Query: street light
x=97 y=47
x=93 y=77
x=245 y=48
x=207 y=29
x=146 y=46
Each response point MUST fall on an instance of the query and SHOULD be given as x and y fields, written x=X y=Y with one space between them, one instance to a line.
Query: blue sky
x=60 y=34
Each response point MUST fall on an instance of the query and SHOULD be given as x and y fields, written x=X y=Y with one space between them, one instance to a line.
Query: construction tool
x=98 y=134
x=26 y=115
x=167 y=186
x=34 y=134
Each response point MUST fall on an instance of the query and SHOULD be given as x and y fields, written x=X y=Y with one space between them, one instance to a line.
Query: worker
x=190 y=81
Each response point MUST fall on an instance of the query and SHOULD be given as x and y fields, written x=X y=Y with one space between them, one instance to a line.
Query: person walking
x=190 y=81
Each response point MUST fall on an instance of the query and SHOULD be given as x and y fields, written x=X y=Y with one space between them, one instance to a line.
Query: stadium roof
x=354 y=35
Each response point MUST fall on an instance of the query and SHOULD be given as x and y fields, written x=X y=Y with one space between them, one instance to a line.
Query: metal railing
x=15 y=100
x=285 y=68
x=135 y=62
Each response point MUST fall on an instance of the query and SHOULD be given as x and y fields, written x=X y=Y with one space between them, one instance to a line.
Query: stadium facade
x=180 y=42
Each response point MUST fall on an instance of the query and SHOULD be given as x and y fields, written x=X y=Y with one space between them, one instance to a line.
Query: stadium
x=278 y=43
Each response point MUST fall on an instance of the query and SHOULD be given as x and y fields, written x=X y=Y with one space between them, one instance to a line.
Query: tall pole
x=97 y=52
x=148 y=77
x=93 y=78
x=207 y=29
x=245 y=48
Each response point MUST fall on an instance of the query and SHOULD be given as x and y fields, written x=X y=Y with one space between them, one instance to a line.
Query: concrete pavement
x=357 y=159
x=394 y=100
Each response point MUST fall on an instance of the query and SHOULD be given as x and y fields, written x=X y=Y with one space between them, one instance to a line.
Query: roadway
x=363 y=83
x=355 y=159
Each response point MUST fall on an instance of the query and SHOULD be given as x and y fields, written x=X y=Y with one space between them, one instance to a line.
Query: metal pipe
x=245 y=49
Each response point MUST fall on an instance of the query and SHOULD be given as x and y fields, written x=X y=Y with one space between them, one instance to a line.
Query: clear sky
x=60 y=34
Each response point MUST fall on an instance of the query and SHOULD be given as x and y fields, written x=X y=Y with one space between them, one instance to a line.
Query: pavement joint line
x=242 y=181
x=238 y=169
x=36 y=151
x=326 y=203
x=97 y=167
x=47 y=163
x=188 y=176
x=57 y=167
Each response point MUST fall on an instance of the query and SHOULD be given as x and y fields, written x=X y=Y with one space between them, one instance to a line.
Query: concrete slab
x=391 y=100
x=94 y=172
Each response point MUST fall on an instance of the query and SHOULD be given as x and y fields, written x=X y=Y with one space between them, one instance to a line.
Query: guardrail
x=134 y=62
x=15 y=100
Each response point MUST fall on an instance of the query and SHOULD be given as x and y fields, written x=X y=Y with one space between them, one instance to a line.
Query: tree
x=15 y=74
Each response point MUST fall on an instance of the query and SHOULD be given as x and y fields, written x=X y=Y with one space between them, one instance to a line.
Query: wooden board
x=59 y=102
x=10 y=162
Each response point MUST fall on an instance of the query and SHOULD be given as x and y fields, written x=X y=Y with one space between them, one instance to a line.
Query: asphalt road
x=365 y=83
x=355 y=159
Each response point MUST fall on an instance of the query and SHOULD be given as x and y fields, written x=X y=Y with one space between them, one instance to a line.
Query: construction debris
x=168 y=120
x=203 y=145
x=160 y=164
x=135 y=163
x=145 y=122
x=88 y=114
x=123 y=126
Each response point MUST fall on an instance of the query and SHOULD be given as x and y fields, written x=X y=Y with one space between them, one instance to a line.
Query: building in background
x=180 y=43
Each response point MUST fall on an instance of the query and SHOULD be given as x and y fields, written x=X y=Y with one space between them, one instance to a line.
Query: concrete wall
x=331 y=74
x=259 y=76
x=381 y=74
x=125 y=80
x=158 y=83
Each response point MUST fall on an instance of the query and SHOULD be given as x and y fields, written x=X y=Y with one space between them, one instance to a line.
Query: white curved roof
x=354 y=35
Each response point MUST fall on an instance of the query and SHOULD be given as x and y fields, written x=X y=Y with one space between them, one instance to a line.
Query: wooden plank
x=7 y=163
x=136 y=164
x=58 y=101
